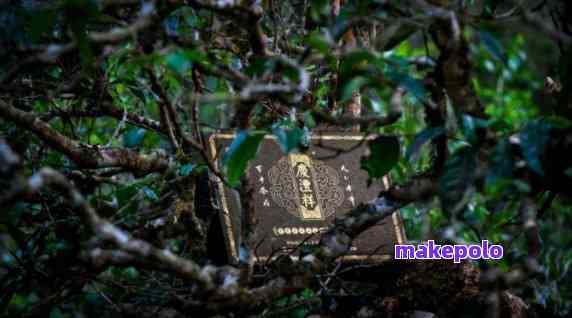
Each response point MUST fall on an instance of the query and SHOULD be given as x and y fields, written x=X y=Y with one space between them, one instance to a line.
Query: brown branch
x=86 y=156
x=215 y=285
x=48 y=177
x=167 y=111
x=337 y=240
x=105 y=109
x=392 y=117
x=528 y=212
x=220 y=287
x=248 y=15
x=132 y=118
x=453 y=70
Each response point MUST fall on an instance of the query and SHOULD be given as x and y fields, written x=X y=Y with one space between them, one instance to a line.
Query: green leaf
x=133 y=137
x=319 y=42
x=559 y=122
x=493 y=46
x=182 y=21
x=533 y=139
x=318 y=8
x=150 y=194
x=79 y=13
x=94 y=299
x=182 y=60
x=42 y=22
x=421 y=139
x=355 y=63
x=56 y=313
x=125 y=194
x=299 y=312
x=178 y=62
x=94 y=139
x=411 y=84
x=290 y=139
x=521 y=186
x=259 y=66
x=186 y=170
x=309 y=120
x=242 y=149
x=470 y=126
x=85 y=50
x=394 y=34
x=307 y=293
x=501 y=163
x=131 y=273
x=13 y=215
x=568 y=172
x=383 y=156
x=458 y=177
x=354 y=85
x=138 y=92
x=489 y=8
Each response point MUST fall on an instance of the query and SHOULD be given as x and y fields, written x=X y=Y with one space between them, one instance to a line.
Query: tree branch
x=115 y=35
x=86 y=156
x=218 y=287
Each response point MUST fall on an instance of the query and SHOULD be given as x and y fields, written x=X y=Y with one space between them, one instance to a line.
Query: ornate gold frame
x=227 y=222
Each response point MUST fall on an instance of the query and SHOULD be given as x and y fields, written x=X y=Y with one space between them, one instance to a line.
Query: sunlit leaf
x=94 y=139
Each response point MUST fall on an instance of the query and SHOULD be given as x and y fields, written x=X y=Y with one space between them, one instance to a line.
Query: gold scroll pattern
x=306 y=188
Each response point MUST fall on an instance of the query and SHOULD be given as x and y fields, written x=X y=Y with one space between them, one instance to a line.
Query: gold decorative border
x=227 y=222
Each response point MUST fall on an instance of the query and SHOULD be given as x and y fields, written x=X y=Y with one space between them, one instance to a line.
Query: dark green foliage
x=291 y=139
x=384 y=153
x=243 y=148
x=424 y=137
x=533 y=140
x=133 y=137
x=457 y=180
